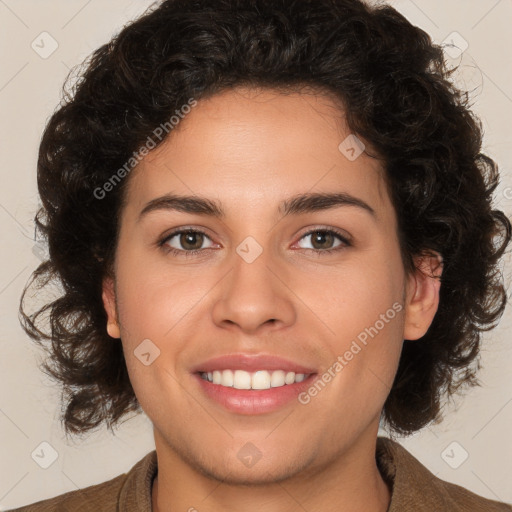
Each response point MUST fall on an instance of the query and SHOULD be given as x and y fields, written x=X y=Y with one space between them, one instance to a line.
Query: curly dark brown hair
x=396 y=90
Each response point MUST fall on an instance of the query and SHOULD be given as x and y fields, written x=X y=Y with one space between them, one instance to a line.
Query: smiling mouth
x=258 y=380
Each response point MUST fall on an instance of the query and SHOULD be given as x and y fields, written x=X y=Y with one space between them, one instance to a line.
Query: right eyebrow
x=186 y=204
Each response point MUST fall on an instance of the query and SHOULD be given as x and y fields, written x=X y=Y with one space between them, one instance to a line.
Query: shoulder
x=126 y=492
x=103 y=496
x=414 y=487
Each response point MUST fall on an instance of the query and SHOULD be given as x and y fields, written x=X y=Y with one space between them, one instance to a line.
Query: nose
x=254 y=297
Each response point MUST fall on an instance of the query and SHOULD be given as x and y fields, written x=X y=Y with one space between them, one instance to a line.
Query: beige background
x=29 y=91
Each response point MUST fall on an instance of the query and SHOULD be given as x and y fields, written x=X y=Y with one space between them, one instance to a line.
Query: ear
x=109 y=303
x=422 y=295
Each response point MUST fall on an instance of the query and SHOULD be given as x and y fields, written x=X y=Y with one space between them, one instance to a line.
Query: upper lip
x=251 y=363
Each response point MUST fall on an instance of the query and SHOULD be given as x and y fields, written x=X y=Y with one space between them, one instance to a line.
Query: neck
x=351 y=479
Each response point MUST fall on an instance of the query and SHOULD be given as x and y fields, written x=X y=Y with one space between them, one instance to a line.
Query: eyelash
x=186 y=254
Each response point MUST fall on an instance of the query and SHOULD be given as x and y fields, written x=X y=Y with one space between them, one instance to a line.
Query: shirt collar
x=135 y=495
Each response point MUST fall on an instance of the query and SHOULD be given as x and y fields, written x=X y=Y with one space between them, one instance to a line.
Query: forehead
x=257 y=147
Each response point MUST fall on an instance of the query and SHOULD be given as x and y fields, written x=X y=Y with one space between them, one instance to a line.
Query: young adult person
x=272 y=224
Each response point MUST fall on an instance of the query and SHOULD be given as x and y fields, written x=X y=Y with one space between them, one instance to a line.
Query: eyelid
x=163 y=241
x=330 y=229
x=345 y=239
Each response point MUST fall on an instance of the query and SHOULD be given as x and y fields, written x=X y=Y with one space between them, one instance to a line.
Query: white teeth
x=277 y=379
x=290 y=377
x=242 y=380
x=262 y=379
x=227 y=378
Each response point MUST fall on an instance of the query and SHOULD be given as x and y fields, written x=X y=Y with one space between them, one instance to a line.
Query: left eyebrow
x=302 y=203
x=312 y=202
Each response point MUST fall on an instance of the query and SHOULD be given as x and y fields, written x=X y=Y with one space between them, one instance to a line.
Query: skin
x=249 y=150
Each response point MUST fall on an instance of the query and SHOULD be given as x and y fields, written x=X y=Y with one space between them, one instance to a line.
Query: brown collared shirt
x=414 y=489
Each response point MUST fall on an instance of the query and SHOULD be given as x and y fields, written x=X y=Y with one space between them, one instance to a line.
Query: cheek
x=153 y=309
x=363 y=310
x=154 y=299
x=349 y=300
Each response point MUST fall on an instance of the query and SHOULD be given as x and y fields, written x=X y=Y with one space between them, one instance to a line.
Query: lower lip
x=254 y=401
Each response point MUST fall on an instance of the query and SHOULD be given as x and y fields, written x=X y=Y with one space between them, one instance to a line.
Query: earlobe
x=423 y=290
x=109 y=303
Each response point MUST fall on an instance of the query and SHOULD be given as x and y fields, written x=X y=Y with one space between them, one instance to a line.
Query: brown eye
x=322 y=240
x=325 y=240
x=186 y=241
x=191 y=240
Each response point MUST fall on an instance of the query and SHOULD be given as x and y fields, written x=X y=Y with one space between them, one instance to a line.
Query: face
x=286 y=262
